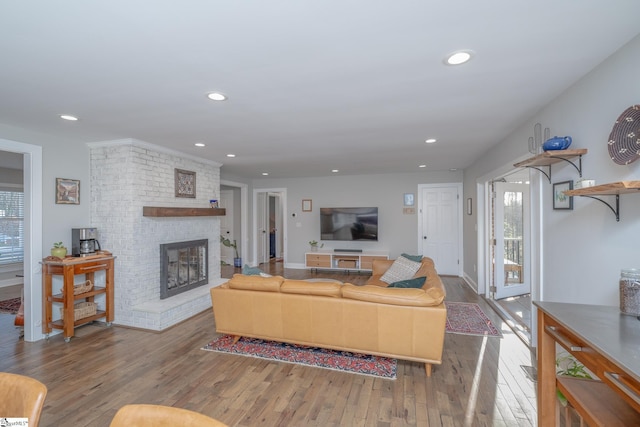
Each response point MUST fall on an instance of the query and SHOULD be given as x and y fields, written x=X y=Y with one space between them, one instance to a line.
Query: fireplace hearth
x=184 y=266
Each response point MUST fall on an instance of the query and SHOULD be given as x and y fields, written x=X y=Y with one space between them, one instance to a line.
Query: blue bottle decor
x=557 y=143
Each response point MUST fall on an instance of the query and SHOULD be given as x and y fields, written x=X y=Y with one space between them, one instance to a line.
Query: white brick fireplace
x=125 y=176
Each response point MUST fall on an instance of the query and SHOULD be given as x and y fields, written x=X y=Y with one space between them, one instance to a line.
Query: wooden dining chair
x=141 y=415
x=21 y=397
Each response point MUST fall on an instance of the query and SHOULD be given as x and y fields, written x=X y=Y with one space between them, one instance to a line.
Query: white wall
x=61 y=159
x=583 y=249
x=397 y=232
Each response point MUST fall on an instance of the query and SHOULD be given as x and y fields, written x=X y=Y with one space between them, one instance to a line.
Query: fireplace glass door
x=184 y=267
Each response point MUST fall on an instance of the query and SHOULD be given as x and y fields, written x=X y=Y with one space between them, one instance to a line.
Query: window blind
x=11 y=226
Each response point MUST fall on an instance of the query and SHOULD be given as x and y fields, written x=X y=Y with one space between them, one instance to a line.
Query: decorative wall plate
x=624 y=139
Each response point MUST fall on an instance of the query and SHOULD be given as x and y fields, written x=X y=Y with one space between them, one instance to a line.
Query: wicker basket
x=81 y=288
x=82 y=310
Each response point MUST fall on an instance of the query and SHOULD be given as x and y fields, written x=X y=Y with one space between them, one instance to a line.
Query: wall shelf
x=551 y=157
x=611 y=189
x=157 y=211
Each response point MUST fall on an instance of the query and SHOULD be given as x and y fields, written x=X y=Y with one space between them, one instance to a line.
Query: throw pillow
x=416 y=258
x=401 y=269
x=409 y=283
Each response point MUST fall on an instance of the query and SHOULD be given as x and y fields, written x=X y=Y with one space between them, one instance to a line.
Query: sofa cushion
x=393 y=296
x=416 y=282
x=320 y=288
x=401 y=269
x=256 y=283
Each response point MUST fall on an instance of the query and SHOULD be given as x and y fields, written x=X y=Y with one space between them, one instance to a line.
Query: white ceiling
x=352 y=85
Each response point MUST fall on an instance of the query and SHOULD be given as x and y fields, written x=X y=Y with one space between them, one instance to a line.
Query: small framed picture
x=185 y=183
x=560 y=200
x=469 y=206
x=67 y=191
x=409 y=199
x=307 y=205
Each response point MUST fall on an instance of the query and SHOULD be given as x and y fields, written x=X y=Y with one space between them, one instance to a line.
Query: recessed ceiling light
x=199 y=144
x=335 y=170
x=430 y=140
x=459 y=57
x=453 y=169
x=231 y=155
x=217 y=96
x=422 y=166
x=68 y=117
x=265 y=173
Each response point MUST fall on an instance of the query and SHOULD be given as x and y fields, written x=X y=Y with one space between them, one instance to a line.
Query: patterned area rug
x=468 y=318
x=311 y=356
x=10 y=306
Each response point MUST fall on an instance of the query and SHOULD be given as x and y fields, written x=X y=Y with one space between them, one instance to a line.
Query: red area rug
x=468 y=318
x=344 y=361
x=10 y=306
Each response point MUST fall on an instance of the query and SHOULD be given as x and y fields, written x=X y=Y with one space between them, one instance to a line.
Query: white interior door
x=440 y=228
x=227 y=225
x=512 y=240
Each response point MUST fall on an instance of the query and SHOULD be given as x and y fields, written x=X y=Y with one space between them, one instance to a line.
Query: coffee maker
x=84 y=241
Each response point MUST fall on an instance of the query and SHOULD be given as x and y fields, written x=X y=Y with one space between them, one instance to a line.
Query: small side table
x=68 y=268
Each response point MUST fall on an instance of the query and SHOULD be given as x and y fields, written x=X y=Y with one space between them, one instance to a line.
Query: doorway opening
x=32 y=187
x=234 y=225
x=510 y=250
x=269 y=225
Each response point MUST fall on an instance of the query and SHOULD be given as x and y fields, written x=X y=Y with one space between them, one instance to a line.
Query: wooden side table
x=68 y=268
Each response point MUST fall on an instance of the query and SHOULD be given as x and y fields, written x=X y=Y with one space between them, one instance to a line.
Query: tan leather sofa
x=403 y=323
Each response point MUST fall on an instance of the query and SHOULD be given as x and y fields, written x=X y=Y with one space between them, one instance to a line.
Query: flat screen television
x=349 y=224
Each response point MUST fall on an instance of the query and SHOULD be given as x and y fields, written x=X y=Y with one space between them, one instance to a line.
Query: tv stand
x=346 y=261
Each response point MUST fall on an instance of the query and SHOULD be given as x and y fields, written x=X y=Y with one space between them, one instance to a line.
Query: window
x=11 y=226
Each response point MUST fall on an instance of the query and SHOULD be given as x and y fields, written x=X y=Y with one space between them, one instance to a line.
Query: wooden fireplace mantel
x=158 y=211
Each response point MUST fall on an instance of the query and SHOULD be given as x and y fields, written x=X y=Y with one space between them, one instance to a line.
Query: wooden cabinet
x=314 y=260
x=343 y=260
x=605 y=342
x=69 y=268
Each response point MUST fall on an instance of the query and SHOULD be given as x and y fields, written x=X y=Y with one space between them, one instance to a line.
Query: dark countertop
x=604 y=328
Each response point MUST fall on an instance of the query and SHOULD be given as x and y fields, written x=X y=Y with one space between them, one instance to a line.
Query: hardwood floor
x=480 y=382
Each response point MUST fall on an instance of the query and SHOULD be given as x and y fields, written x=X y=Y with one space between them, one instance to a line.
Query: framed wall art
x=560 y=200
x=409 y=199
x=185 y=183
x=307 y=205
x=67 y=191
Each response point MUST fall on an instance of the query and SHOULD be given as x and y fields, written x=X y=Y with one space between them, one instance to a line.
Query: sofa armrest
x=380 y=266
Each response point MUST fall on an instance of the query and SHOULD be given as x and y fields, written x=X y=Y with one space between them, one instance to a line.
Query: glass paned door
x=512 y=240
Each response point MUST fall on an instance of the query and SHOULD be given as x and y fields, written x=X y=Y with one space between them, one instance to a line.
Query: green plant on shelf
x=314 y=243
x=568 y=366
x=58 y=245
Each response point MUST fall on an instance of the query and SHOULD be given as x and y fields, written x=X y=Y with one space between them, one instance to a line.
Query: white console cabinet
x=342 y=260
